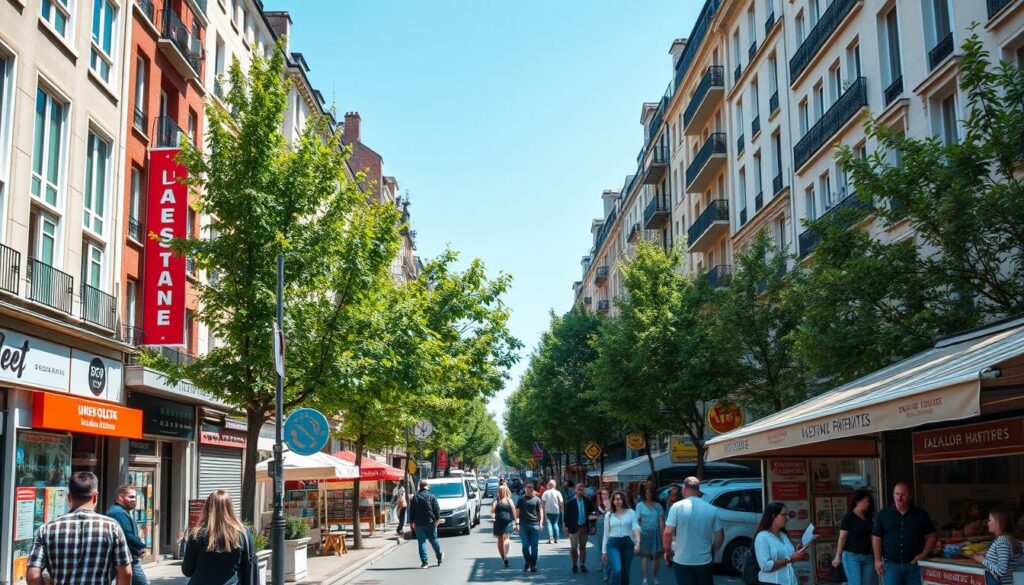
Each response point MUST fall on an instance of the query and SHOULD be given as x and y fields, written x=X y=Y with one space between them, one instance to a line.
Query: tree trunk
x=650 y=457
x=254 y=420
x=357 y=531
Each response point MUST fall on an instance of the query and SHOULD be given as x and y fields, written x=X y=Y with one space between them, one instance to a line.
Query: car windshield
x=447 y=490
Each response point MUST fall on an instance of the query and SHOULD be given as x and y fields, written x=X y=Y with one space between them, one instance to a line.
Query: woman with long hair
x=602 y=503
x=503 y=511
x=219 y=549
x=854 y=548
x=1004 y=551
x=652 y=524
x=621 y=539
x=773 y=549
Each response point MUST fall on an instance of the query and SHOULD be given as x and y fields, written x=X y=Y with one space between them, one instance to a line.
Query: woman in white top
x=621 y=539
x=774 y=551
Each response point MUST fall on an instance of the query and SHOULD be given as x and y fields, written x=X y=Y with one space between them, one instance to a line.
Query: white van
x=452 y=498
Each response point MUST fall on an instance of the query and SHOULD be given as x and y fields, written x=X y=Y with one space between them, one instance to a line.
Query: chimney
x=677 y=49
x=350 y=131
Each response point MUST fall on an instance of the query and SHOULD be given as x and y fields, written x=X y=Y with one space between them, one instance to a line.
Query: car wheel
x=466 y=530
x=735 y=555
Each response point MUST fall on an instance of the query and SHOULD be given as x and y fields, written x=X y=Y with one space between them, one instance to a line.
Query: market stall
x=373 y=495
x=948 y=421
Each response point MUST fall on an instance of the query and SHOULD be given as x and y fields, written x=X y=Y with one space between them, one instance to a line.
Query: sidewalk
x=322 y=570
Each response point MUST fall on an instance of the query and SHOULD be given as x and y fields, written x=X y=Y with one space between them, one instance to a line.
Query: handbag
x=751 y=568
x=252 y=561
x=839 y=574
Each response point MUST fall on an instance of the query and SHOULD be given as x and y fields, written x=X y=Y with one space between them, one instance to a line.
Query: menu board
x=304 y=503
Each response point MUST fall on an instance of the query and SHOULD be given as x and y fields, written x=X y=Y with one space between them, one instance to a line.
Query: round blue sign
x=306 y=431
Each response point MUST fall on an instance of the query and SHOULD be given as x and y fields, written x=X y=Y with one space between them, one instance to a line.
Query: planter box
x=295 y=559
x=263 y=561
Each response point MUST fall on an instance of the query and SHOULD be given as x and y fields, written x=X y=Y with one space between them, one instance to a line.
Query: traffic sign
x=306 y=431
x=422 y=430
x=635 y=441
x=425 y=465
x=592 y=451
x=412 y=466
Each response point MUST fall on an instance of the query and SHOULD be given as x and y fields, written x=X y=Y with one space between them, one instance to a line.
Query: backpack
x=751 y=568
x=251 y=563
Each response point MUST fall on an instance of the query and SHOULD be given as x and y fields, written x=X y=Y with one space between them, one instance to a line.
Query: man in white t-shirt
x=694 y=532
x=554 y=507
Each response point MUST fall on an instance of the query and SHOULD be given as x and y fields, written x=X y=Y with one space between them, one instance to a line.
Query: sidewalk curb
x=350 y=573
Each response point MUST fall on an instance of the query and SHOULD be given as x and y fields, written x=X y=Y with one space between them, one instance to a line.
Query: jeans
x=620 y=559
x=138 y=575
x=530 y=536
x=553 y=525
x=423 y=534
x=693 y=574
x=860 y=569
x=401 y=518
x=901 y=574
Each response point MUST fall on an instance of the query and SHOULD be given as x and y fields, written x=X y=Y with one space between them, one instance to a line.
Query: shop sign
x=681 y=450
x=164 y=418
x=65 y=413
x=163 y=309
x=33 y=361
x=142 y=446
x=442 y=459
x=221 y=436
x=635 y=441
x=987 y=439
x=951 y=576
x=725 y=416
x=195 y=513
x=95 y=376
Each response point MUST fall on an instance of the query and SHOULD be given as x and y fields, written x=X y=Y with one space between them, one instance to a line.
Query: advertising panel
x=163 y=309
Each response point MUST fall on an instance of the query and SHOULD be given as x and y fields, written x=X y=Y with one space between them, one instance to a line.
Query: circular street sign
x=592 y=451
x=635 y=441
x=422 y=430
x=725 y=416
x=306 y=431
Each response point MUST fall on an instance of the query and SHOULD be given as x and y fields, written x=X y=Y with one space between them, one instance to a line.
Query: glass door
x=143 y=479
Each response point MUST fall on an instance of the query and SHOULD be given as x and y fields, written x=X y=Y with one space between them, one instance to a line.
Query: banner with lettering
x=163 y=309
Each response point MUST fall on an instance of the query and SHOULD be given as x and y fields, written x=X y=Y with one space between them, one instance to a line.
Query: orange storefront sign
x=66 y=413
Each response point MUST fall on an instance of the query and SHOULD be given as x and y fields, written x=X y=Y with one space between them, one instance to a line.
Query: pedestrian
x=578 y=511
x=80 y=547
x=601 y=507
x=425 y=517
x=854 y=548
x=693 y=532
x=554 y=507
x=1003 y=553
x=399 y=502
x=503 y=511
x=673 y=495
x=773 y=548
x=531 y=518
x=903 y=534
x=621 y=539
x=219 y=549
x=120 y=511
x=651 y=517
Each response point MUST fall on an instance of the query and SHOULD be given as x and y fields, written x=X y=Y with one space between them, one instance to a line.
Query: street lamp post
x=277 y=523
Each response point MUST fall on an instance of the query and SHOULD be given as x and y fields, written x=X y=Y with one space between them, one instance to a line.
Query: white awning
x=310 y=467
x=940 y=384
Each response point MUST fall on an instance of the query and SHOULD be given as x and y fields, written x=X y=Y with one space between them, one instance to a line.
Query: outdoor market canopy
x=311 y=467
x=371 y=470
x=941 y=384
x=638 y=468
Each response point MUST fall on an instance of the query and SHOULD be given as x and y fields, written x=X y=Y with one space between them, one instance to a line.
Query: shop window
x=957 y=492
x=43 y=466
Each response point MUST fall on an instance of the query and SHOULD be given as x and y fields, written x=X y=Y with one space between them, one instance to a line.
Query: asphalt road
x=475 y=559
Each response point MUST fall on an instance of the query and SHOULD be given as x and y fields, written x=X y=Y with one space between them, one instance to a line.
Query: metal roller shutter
x=220 y=468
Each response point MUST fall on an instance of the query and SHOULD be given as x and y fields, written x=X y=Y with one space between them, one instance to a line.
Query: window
x=804 y=117
x=815 y=12
x=891 y=68
x=853 y=71
x=777 y=153
x=92 y=264
x=842 y=181
x=941 y=27
x=754 y=97
x=758 y=184
x=752 y=24
x=135 y=197
x=773 y=73
x=6 y=106
x=189 y=322
x=1019 y=55
x=141 y=70
x=742 y=194
x=42 y=235
x=739 y=116
x=950 y=124
x=819 y=101
x=781 y=241
x=238 y=15
x=101 y=55
x=736 y=55
x=835 y=83
x=740 y=501
x=193 y=126
x=826 y=190
x=799 y=27
x=48 y=149
x=810 y=203
x=96 y=179
x=131 y=300
x=58 y=14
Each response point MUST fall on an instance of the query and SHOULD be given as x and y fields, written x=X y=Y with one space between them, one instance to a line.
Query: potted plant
x=296 y=541
x=260 y=544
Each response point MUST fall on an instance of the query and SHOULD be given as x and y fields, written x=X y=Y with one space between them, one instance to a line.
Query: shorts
x=579 y=538
x=499 y=529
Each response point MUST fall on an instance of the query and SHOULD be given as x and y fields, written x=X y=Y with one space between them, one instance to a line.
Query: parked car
x=739 y=506
x=452 y=498
x=491 y=487
x=476 y=498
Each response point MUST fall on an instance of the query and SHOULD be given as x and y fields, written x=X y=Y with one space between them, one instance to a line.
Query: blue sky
x=503 y=120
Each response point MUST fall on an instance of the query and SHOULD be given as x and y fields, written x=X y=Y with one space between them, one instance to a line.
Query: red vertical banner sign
x=442 y=459
x=163 y=311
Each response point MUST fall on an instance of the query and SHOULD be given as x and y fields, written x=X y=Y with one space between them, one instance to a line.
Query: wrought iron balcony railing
x=894 y=90
x=777 y=184
x=601 y=274
x=50 y=286
x=827 y=25
x=941 y=50
x=604 y=230
x=131 y=335
x=98 y=307
x=740 y=145
x=752 y=50
x=603 y=306
x=994 y=6
x=188 y=45
x=716 y=211
x=656 y=213
x=719 y=276
x=167 y=132
x=715 y=144
x=714 y=77
x=743 y=216
x=10 y=269
x=140 y=120
x=773 y=102
x=848 y=104
x=769 y=23
x=148 y=10
x=837 y=215
x=135 y=229
x=759 y=201
x=737 y=72
x=755 y=127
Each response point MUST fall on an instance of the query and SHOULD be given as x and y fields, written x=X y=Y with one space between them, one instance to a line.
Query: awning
x=318 y=466
x=940 y=384
x=638 y=468
x=371 y=470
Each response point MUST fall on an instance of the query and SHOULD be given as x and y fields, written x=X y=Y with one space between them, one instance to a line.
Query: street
x=474 y=559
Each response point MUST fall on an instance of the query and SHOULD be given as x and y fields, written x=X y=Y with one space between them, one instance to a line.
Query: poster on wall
x=25 y=513
x=163 y=307
x=824 y=552
x=788 y=478
x=825 y=474
x=823 y=516
x=840 y=506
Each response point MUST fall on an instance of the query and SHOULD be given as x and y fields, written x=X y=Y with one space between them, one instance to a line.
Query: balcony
x=135 y=229
x=759 y=201
x=773 y=103
x=10 y=269
x=190 y=266
x=148 y=10
x=719 y=276
x=777 y=185
x=737 y=73
x=894 y=90
x=656 y=213
x=634 y=233
x=49 y=286
x=711 y=222
x=183 y=50
x=708 y=94
x=839 y=216
x=140 y=120
x=940 y=51
x=755 y=127
x=587 y=301
x=99 y=308
x=218 y=89
x=752 y=50
x=994 y=6
x=706 y=164
x=846 y=107
x=176 y=355
x=743 y=216
x=769 y=23
x=131 y=335
x=604 y=230
x=603 y=306
x=696 y=37
x=601 y=275
x=656 y=164
x=819 y=35
x=167 y=132
x=741 y=145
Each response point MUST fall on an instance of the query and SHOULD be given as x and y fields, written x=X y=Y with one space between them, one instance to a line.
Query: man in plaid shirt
x=81 y=547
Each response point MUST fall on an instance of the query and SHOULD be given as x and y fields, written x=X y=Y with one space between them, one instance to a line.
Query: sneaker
x=575 y=569
x=533 y=569
x=550 y=541
x=424 y=565
x=583 y=568
x=440 y=559
x=526 y=567
x=506 y=563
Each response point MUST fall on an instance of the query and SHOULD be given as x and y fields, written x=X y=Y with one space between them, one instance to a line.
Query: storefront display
x=43 y=467
x=142 y=515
